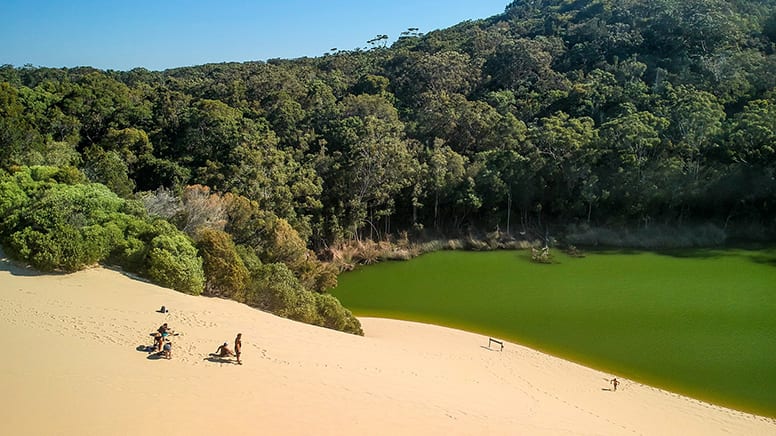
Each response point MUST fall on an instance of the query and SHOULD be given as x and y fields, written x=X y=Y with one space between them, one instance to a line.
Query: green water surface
x=699 y=322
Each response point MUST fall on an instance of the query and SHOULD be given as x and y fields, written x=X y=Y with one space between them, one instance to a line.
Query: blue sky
x=160 y=34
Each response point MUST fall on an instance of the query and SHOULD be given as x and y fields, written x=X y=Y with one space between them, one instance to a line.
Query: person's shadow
x=151 y=351
x=607 y=389
x=215 y=358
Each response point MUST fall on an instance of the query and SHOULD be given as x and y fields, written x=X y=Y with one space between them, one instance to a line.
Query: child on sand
x=614 y=383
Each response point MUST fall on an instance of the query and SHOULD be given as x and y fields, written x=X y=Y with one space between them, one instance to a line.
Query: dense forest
x=585 y=121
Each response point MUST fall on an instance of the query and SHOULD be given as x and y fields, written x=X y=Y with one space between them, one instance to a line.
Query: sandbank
x=73 y=367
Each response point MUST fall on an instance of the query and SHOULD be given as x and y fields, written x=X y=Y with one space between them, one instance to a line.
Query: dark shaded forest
x=578 y=120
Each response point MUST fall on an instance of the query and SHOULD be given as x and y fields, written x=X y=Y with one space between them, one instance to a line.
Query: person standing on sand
x=164 y=330
x=614 y=383
x=238 y=347
x=158 y=342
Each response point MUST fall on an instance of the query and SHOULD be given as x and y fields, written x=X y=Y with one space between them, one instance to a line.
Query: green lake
x=698 y=322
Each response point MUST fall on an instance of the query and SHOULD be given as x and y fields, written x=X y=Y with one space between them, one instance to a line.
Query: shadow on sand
x=215 y=358
x=152 y=353
x=16 y=268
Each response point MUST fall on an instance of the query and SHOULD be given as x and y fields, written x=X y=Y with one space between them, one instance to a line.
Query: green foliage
x=553 y=114
x=225 y=272
x=334 y=316
x=67 y=225
x=274 y=288
x=63 y=227
x=173 y=263
x=66 y=248
x=754 y=134
x=109 y=169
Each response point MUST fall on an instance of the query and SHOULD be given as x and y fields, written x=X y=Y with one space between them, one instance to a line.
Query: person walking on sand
x=614 y=383
x=167 y=350
x=238 y=347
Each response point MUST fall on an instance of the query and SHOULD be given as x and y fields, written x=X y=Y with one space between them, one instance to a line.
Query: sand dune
x=72 y=367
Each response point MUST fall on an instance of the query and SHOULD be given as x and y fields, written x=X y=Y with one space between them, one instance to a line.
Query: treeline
x=556 y=117
x=56 y=220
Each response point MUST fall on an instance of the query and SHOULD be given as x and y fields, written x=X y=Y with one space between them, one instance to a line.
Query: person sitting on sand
x=167 y=350
x=224 y=351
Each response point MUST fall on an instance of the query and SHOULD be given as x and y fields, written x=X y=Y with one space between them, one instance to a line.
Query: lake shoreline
x=87 y=374
x=653 y=315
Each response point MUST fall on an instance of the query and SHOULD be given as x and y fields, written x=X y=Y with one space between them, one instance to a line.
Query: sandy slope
x=72 y=367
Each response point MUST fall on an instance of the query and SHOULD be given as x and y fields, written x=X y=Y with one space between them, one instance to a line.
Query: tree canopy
x=550 y=116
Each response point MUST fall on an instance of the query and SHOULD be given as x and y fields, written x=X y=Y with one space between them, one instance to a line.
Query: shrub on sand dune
x=173 y=263
x=274 y=288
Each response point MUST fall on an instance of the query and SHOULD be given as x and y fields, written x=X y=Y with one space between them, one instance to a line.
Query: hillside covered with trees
x=577 y=120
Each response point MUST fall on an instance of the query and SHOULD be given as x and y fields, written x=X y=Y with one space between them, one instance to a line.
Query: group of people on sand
x=224 y=350
x=162 y=344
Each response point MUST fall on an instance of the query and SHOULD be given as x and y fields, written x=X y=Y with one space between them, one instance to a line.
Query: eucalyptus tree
x=368 y=161
x=566 y=145
x=632 y=145
x=753 y=133
x=443 y=172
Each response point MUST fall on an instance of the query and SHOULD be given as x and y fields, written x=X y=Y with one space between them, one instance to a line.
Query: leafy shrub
x=173 y=263
x=42 y=173
x=318 y=276
x=57 y=227
x=225 y=273
x=274 y=288
x=333 y=315
x=131 y=246
x=12 y=197
x=65 y=227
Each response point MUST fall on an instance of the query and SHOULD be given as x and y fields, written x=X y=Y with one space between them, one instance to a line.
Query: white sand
x=72 y=368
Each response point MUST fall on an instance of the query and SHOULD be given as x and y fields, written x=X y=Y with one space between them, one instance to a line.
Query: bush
x=225 y=272
x=541 y=255
x=54 y=226
x=334 y=316
x=652 y=237
x=132 y=243
x=173 y=263
x=12 y=197
x=274 y=288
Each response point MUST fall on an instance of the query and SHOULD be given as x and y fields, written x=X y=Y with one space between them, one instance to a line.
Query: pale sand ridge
x=72 y=368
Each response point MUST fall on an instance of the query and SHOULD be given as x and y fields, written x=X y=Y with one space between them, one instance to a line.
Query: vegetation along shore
x=596 y=122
